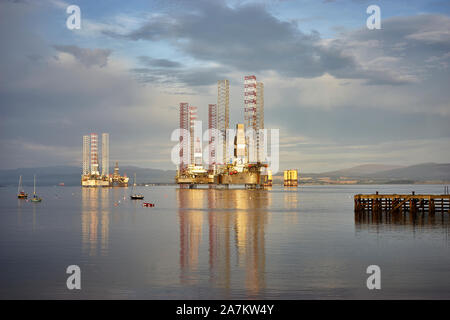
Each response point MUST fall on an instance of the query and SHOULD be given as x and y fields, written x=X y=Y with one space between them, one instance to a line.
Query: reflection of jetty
x=399 y=203
x=368 y=220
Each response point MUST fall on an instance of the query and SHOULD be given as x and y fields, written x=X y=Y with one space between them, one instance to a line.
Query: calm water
x=204 y=244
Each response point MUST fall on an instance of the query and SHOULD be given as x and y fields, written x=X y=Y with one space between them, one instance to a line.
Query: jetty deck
x=398 y=203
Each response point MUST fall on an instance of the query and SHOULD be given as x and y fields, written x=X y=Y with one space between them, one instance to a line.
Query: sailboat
x=35 y=197
x=134 y=195
x=20 y=193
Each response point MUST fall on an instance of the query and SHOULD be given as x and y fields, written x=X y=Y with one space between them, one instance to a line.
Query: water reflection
x=34 y=216
x=23 y=211
x=291 y=202
x=236 y=229
x=191 y=223
x=19 y=211
x=95 y=208
x=406 y=220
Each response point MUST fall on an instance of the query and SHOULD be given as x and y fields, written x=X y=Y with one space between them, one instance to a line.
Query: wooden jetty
x=399 y=203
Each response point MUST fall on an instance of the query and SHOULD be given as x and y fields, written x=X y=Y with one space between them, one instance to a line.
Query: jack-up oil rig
x=91 y=176
x=240 y=163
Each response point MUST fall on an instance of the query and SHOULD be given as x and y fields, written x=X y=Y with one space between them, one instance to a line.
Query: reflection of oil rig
x=235 y=239
x=246 y=164
x=91 y=176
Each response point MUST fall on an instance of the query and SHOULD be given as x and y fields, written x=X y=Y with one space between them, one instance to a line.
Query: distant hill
x=420 y=172
x=371 y=173
x=71 y=175
x=362 y=170
x=375 y=173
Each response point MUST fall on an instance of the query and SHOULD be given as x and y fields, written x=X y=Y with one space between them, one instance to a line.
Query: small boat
x=20 y=193
x=148 y=204
x=134 y=195
x=35 y=197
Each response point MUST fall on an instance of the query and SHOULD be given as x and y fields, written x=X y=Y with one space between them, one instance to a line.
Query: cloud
x=337 y=101
x=408 y=40
x=190 y=77
x=172 y=73
x=48 y=101
x=259 y=43
x=322 y=157
x=250 y=39
x=87 y=57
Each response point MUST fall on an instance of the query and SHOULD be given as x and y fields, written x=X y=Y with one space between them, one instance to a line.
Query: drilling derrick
x=105 y=154
x=190 y=169
x=223 y=117
x=260 y=137
x=94 y=154
x=184 y=136
x=250 y=117
x=86 y=154
x=193 y=142
x=117 y=180
x=212 y=126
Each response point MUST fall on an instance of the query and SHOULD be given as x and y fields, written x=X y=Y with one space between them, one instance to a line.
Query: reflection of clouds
x=95 y=219
x=240 y=210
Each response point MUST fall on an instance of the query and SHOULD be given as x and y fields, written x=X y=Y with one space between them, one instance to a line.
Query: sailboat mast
x=34 y=185
x=20 y=184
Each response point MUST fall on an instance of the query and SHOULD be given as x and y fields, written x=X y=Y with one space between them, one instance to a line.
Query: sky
x=340 y=94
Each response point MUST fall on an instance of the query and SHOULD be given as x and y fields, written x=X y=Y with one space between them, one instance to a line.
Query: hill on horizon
x=362 y=170
x=419 y=173
x=71 y=175
x=386 y=173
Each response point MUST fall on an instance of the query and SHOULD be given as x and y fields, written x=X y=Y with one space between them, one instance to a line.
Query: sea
x=280 y=243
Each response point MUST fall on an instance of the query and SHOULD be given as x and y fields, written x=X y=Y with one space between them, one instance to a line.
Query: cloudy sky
x=341 y=94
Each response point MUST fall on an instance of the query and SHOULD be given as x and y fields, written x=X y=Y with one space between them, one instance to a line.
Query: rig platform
x=249 y=175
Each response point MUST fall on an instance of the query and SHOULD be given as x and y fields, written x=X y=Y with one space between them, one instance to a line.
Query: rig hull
x=96 y=182
x=249 y=175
